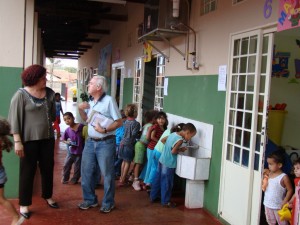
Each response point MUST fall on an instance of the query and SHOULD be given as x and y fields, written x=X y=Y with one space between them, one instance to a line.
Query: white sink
x=191 y=166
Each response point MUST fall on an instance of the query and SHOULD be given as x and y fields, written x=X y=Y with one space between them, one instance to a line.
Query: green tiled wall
x=198 y=98
x=9 y=82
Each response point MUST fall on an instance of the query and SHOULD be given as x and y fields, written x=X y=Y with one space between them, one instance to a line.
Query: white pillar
x=12 y=24
x=194 y=194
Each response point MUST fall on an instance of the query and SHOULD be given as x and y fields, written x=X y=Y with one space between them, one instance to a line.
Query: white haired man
x=99 y=150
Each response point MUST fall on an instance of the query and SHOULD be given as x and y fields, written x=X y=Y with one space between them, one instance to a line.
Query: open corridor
x=132 y=207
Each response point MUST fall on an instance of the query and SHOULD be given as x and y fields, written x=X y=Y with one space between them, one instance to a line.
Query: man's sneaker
x=73 y=181
x=136 y=185
x=170 y=205
x=86 y=205
x=107 y=210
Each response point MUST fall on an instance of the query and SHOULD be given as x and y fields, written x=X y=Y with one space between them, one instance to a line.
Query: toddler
x=75 y=141
x=119 y=137
x=6 y=144
x=163 y=183
x=131 y=131
x=279 y=189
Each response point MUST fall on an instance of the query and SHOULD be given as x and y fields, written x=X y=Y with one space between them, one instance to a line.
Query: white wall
x=118 y=38
x=12 y=36
x=213 y=33
x=284 y=92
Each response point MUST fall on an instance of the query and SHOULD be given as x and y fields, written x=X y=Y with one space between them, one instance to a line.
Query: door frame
x=271 y=28
x=115 y=67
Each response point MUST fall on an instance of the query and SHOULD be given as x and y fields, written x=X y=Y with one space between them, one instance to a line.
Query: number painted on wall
x=268 y=8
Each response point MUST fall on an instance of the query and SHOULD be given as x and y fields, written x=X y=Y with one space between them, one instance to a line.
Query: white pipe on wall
x=176 y=4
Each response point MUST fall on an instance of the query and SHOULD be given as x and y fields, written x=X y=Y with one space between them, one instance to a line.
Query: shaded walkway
x=131 y=207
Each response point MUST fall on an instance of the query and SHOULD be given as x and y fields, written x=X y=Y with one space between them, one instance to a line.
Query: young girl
x=140 y=149
x=294 y=202
x=155 y=133
x=163 y=183
x=159 y=148
x=131 y=131
x=6 y=144
x=74 y=139
x=279 y=189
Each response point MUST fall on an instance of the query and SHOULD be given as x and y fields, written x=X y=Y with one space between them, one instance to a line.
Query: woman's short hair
x=32 y=74
x=101 y=81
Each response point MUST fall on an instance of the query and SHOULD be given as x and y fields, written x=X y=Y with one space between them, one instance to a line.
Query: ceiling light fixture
x=111 y=1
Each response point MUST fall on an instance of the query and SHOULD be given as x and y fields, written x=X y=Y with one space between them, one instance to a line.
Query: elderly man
x=100 y=146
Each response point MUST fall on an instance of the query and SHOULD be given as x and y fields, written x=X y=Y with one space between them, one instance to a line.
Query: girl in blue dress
x=163 y=183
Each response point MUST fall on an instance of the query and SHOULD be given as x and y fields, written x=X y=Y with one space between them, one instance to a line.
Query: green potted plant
x=84 y=97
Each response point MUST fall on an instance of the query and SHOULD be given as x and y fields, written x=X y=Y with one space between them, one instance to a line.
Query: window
x=208 y=6
x=159 y=83
x=137 y=82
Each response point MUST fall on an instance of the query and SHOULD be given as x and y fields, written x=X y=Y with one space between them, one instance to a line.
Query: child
x=279 y=189
x=156 y=131
x=119 y=137
x=148 y=138
x=163 y=183
x=294 y=202
x=57 y=118
x=6 y=144
x=75 y=141
x=140 y=149
x=159 y=148
x=131 y=131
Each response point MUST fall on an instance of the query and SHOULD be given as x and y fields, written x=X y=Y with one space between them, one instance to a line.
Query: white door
x=247 y=97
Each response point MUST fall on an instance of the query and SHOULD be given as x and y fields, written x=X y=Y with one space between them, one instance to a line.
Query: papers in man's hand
x=97 y=117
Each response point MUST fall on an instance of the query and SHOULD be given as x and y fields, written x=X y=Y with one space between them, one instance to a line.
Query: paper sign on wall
x=222 y=78
x=166 y=83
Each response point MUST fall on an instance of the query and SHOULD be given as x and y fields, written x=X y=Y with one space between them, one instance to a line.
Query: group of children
x=152 y=153
x=148 y=151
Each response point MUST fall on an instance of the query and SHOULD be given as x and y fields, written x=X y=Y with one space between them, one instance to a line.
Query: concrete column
x=16 y=47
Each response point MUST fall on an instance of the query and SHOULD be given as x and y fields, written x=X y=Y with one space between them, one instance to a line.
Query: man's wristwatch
x=105 y=131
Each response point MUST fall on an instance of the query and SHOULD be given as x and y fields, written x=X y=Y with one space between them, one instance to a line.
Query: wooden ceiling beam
x=98 y=31
x=67 y=13
x=52 y=45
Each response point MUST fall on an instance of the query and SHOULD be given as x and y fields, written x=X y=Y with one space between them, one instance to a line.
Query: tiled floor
x=131 y=207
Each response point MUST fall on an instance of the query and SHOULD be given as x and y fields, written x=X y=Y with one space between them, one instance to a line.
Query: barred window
x=208 y=6
x=159 y=83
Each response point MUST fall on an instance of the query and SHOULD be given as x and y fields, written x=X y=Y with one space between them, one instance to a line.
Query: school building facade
x=218 y=65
